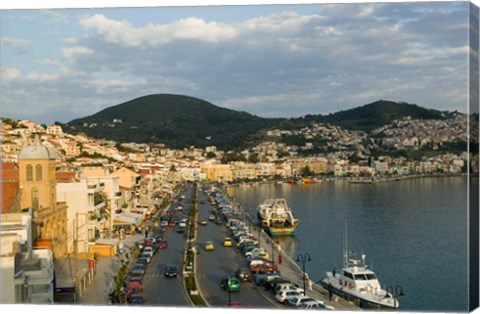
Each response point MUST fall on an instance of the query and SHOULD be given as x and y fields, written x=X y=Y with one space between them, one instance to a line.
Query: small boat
x=359 y=284
x=276 y=217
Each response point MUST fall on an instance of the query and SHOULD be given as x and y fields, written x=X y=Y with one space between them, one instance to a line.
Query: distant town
x=325 y=150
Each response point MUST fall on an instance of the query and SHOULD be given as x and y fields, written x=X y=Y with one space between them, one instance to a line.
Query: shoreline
x=361 y=180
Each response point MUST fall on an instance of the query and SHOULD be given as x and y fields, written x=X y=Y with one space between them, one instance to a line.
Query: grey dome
x=37 y=150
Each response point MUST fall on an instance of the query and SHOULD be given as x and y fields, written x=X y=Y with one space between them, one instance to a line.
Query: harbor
x=390 y=223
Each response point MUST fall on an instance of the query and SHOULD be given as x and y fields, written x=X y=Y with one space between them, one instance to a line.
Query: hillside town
x=79 y=196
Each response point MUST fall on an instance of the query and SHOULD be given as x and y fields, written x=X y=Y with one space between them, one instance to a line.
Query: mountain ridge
x=180 y=121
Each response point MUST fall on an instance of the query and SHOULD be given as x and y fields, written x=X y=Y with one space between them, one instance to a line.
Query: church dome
x=37 y=150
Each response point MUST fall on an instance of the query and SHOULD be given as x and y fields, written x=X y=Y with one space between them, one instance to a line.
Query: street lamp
x=273 y=248
x=398 y=292
x=305 y=257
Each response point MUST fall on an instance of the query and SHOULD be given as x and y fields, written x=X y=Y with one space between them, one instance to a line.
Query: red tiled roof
x=9 y=165
x=65 y=176
x=9 y=194
x=9 y=175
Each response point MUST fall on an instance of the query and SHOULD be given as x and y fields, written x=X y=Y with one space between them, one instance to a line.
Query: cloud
x=16 y=42
x=284 y=64
x=122 y=32
x=72 y=53
x=10 y=74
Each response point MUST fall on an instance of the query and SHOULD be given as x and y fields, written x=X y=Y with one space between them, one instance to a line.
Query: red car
x=262 y=269
x=172 y=223
x=162 y=244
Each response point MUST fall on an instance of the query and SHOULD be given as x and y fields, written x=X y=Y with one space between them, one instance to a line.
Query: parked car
x=283 y=295
x=138 y=268
x=261 y=269
x=133 y=287
x=135 y=275
x=211 y=217
x=209 y=246
x=180 y=229
x=288 y=286
x=297 y=301
x=147 y=256
x=230 y=283
x=143 y=260
x=270 y=285
x=314 y=305
x=170 y=271
x=136 y=299
x=149 y=250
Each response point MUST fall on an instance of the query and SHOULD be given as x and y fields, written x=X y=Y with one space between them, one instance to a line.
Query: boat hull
x=357 y=300
x=276 y=232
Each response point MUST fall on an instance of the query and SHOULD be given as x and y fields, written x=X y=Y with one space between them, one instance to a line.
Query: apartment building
x=27 y=271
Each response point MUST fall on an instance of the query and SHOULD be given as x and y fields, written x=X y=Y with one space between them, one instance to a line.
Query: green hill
x=174 y=120
x=182 y=121
x=376 y=114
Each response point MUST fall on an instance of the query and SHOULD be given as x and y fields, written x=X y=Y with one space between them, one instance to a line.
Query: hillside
x=175 y=120
x=376 y=114
x=182 y=121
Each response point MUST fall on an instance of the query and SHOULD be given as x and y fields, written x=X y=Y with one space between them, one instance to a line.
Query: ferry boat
x=276 y=217
x=359 y=284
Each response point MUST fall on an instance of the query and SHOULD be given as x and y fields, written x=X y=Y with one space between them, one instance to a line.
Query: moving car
x=211 y=217
x=209 y=246
x=203 y=222
x=162 y=244
x=170 y=271
x=227 y=242
x=230 y=283
x=242 y=274
x=180 y=229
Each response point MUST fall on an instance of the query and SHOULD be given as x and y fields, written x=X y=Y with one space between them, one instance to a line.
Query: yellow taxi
x=209 y=246
x=227 y=242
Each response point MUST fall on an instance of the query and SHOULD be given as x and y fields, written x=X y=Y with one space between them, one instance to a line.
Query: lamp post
x=397 y=292
x=304 y=258
x=273 y=248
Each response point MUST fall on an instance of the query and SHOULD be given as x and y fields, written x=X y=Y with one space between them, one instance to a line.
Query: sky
x=272 y=60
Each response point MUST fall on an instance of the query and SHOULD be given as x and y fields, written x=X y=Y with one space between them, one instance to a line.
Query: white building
x=27 y=273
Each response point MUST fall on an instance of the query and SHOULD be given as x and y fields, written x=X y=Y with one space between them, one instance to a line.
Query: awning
x=127 y=219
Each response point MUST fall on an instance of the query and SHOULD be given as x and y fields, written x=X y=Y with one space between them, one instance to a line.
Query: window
x=371 y=276
x=34 y=195
x=360 y=277
x=38 y=173
x=29 y=173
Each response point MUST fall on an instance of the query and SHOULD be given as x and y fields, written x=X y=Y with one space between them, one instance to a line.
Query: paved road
x=159 y=290
x=162 y=291
x=212 y=265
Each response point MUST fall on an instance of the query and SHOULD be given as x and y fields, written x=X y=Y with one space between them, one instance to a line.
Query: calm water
x=413 y=232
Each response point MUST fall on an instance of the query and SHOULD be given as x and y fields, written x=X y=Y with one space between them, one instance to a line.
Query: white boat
x=276 y=217
x=359 y=284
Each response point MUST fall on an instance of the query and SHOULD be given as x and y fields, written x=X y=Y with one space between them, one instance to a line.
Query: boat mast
x=345 y=247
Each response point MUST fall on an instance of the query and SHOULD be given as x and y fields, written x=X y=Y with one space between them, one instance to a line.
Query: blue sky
x=269 y=60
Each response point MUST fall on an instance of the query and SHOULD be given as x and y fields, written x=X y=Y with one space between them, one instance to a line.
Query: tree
x=306 y=172
x=211 y=155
